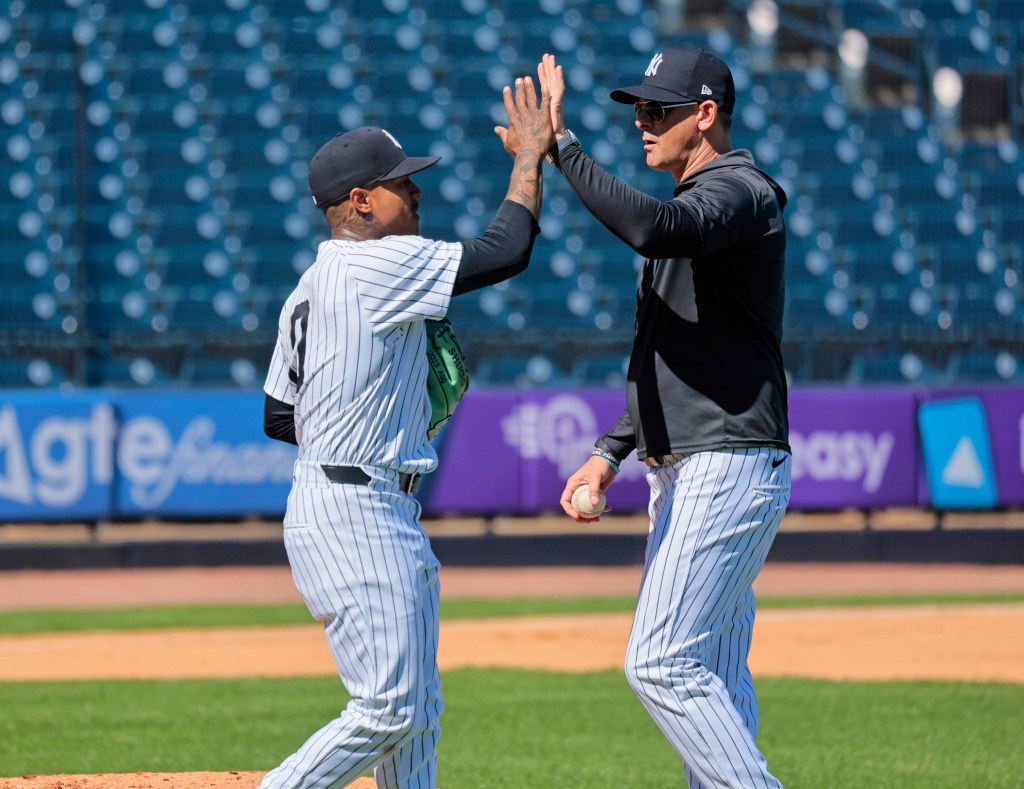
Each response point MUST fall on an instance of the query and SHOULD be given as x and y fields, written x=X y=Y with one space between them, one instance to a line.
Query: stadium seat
x=987 y=365
x=607 y=371
x=894 y=367
x=195 y=122
x=497 y=370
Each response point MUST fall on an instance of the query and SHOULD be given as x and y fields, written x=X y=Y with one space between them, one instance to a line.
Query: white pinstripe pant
x=713 y=518
x=365 y=568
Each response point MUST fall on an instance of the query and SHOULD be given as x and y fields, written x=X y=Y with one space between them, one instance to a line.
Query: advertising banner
x=965 y=463
x=202 y=454
x=511 y=451
x=853 y=448
x=119 y=455
x=1004 y=409
x=56 y=456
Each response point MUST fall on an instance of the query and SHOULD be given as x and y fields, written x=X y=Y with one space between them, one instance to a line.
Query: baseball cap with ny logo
x=359 y=158
x=678 y=75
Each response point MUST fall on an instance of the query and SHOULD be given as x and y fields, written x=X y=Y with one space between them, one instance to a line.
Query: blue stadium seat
x=870 y=15
x=203 y=372
x=505 y=370
x=835 y=187
x=894 y=367
x=937 y=224
x=1001 y=185
x=985 y=365
x=977 y=306
x=199 y=122
x=806 y=310
x=938 y=10
x=872 y=263
x=921 y=189
x=856 y=223
x=20 y=371
x=607 y=371
x=952 y=261
x=891 y=308
x=962 y=42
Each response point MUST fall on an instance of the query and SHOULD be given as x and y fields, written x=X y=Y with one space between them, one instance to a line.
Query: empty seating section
x=156 y=211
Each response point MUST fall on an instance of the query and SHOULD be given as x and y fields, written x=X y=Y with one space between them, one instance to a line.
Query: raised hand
x=551 y=77
x=529 y=137
x=529 y=129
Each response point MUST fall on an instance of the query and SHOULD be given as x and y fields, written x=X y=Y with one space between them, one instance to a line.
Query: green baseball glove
x=447 y=376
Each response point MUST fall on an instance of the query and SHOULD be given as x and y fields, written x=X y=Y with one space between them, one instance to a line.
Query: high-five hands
x=529 y=129
x=552 y=79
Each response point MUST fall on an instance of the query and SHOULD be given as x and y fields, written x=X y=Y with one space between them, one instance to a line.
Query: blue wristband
x=608 y=458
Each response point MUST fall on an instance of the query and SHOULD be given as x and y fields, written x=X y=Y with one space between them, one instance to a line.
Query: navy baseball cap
x=679 y=75
x=360 y=158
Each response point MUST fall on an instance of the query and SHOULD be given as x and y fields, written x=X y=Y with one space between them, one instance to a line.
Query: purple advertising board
x=511 y=451
x=853 y=448
x=1004 y=409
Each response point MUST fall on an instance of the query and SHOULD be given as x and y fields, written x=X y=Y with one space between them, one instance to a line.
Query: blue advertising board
x=56 y=456
x=957 y=454
x=201 y=454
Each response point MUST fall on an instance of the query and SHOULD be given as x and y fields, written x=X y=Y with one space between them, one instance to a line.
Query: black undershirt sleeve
x=651 y=227
x=279 y=420
x=621 y=439
x=501 y=252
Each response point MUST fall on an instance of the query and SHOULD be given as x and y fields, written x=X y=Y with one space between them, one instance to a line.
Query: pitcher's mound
x=229 y=780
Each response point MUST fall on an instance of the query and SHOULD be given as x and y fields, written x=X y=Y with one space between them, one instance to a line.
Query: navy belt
x=353 y=475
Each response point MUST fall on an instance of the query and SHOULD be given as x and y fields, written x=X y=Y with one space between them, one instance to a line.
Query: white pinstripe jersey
x=350 y=354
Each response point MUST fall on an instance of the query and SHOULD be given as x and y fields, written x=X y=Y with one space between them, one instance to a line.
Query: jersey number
x=299 y=322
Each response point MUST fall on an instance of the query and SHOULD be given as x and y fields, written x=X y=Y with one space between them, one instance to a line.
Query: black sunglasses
x=653 y=112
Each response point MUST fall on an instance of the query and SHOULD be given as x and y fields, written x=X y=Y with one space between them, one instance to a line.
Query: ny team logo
x=652 y=67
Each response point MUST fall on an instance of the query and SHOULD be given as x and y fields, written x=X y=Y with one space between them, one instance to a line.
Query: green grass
x=517 y=729
x=24 y=622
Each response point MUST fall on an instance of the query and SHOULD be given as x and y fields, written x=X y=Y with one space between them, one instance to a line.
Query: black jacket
x=706 y=367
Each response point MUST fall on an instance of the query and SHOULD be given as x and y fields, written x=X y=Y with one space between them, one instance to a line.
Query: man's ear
x=360 y=199
x=707 y=113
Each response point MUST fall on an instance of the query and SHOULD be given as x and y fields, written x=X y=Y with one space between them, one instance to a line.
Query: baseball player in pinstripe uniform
x=706 y=404
x=347 y=384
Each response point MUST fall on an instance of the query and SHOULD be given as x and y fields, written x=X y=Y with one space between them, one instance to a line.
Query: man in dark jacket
x=705 y=403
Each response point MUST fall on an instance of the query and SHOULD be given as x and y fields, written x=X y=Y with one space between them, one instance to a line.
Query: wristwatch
x=564 y=142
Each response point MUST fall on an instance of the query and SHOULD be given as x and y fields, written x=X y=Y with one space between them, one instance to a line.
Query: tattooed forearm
x=526 y=184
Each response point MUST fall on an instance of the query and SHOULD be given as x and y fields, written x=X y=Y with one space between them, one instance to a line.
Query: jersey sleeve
x=405 y=278
x=726 y=209
x=649 y=226
x=280 y=383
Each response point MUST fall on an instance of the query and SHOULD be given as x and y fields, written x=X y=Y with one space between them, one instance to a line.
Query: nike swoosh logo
x=779 y=462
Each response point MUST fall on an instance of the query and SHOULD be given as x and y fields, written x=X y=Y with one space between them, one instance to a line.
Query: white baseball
x=581 y=502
